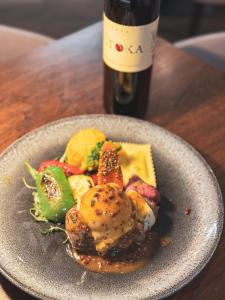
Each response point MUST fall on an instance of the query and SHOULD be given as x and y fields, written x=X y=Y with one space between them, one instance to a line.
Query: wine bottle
x=129 y=37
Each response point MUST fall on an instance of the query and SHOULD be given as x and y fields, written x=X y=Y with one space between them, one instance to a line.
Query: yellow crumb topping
x=81 y=144
x=136 y=159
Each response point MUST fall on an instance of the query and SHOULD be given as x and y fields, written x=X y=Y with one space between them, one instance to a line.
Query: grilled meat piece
x=110 y=219
x=150 y=193
x=135 y=236
x=82 y=241
x=79 y=233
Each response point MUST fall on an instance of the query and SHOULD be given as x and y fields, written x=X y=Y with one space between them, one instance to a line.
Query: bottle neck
x=132 y=3
x=132 y=12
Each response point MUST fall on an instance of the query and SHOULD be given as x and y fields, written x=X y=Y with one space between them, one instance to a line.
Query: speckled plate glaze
x=41 y=266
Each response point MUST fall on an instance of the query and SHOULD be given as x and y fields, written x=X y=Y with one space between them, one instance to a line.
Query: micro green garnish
x=52 y=229
x=35 y=211
x=34 y=173
x=91 y=161
x=27 y=185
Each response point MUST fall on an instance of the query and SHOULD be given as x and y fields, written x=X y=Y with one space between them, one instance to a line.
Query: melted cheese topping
x=107 y=211
x=136 y=159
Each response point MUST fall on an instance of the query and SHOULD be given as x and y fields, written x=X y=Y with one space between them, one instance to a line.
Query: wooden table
x=65 y=79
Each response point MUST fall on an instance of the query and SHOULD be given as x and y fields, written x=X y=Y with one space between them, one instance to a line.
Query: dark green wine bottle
x=129 y=38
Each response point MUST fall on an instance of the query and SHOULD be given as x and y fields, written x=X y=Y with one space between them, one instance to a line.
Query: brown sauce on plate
x=134 y=258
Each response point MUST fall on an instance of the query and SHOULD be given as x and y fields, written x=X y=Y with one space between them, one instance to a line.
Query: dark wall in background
x=57 y=18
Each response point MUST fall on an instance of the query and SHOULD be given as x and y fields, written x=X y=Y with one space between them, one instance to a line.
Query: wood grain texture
x=15 y=42
x=65 y=79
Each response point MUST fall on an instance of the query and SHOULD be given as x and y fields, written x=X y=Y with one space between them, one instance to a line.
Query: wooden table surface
x=65 y=79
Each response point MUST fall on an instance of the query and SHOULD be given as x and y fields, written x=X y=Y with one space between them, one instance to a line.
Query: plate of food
x=103 y=207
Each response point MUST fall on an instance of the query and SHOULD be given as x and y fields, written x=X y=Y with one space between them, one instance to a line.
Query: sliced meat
x=150 y=193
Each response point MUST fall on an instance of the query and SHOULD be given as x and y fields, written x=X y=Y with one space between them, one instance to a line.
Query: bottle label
x=128 y=48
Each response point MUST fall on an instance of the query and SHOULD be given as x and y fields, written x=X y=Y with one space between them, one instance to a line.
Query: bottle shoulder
x=132 y=13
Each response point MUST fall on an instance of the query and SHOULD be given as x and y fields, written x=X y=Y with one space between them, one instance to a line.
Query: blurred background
x=57 y=18
x=180 y=19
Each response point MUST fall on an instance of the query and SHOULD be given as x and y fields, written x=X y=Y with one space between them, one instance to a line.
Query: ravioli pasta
x=137 y=159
